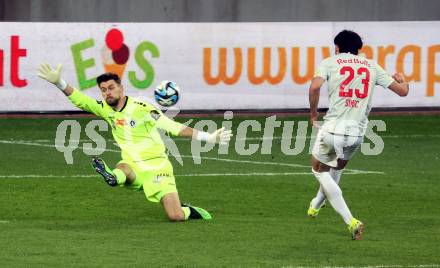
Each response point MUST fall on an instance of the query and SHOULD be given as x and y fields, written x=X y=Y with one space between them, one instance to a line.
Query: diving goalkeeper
x=144 y=165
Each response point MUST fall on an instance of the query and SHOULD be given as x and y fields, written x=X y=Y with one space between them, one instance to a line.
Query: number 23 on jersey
x=348 y=93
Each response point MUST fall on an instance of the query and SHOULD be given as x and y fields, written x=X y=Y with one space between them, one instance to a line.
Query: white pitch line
x=372 y=266
x=247 y=161
x=246 y=174
x=276 y=164
x=206 y=157
x=46 y=176
x=388 y=266
x=3 y=221
x=255 y=174
x=254 y=138
x=28 y=143
x=24 y=176
x=293 y=137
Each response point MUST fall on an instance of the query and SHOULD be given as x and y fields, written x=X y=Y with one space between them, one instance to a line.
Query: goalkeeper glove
x=52 y=75
x=220 y=136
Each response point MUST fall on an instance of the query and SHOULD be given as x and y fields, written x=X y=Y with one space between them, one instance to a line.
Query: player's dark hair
x=108 y=76
x=348 y=42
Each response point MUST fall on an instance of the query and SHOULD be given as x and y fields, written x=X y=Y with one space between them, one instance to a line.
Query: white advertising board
x=216 y=65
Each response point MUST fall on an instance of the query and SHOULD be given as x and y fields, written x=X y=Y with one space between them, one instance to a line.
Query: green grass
x=259 y=221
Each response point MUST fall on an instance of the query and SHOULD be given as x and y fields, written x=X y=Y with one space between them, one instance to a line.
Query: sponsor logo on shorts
x=161 y=176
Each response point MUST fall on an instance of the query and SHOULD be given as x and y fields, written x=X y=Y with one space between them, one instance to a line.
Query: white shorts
x=329 y=147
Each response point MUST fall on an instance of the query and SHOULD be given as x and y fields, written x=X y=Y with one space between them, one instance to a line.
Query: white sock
x=333 y=194
x=319 y=199
x=320 y=196
x=336 y=174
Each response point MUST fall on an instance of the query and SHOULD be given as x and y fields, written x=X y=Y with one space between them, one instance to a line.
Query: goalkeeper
x=144 y=165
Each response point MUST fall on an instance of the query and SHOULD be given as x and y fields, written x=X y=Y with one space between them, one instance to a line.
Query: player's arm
x=399 y=85
x=54 y=76
x=314 y=92
x=221 y=135
x=395 y=83
x=319 y=79
x=79 y=99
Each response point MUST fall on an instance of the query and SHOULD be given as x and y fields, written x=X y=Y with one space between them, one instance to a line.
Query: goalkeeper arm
x=221 y=135
x=79 y=99
x=54 y=76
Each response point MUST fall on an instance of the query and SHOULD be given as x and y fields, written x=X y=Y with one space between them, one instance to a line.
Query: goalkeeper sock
x=191 y=213
x=333 y=194
x=186 y=212
x=120 y=175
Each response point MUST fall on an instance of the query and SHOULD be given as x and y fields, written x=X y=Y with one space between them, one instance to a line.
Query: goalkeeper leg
x=122 y=174
x=178 y=212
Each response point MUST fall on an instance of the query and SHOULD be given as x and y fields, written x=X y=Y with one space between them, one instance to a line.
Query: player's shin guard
x=336 y=174
x=333 y=194
x=319 y=199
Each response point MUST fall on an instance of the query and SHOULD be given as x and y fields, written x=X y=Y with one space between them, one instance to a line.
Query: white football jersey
x=351 y=80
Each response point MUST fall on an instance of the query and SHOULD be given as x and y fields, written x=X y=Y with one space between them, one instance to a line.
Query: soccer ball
x=166 y=93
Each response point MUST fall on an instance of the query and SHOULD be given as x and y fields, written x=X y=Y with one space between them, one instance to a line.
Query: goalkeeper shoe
x=356 y=228
x=100 y=167
x=198 y=213
x=313 y=212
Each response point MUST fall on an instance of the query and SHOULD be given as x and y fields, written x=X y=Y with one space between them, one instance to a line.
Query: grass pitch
x=54 y=214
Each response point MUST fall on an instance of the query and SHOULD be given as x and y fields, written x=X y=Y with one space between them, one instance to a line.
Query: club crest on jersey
x=155 y=115
x=123 y=122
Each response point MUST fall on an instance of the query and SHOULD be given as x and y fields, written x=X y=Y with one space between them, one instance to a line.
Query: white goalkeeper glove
x=52 y=75
x=220 y=136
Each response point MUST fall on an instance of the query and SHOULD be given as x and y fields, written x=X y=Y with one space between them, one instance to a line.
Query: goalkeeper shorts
x=155 y=177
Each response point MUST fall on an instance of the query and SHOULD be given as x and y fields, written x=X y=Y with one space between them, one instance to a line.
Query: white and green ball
x=167 y=93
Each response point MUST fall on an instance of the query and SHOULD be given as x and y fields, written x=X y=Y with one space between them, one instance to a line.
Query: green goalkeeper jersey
x=134 y=127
